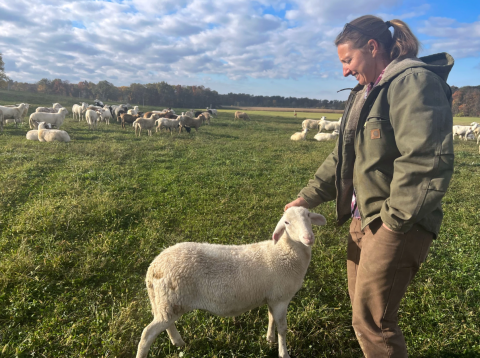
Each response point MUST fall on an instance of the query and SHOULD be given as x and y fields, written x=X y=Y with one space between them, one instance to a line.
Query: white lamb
x=312 y=123
x=329 y=125
x=45 y=134
x=460 y=131
x=228 y=280
x=79 y=110
x=323 y=137
x=105 y=115
x=55 y=119
x=167 y=123
x=14 y=113
x=300 y=135
x=145 y=123
x=134 y=111
x=32 y=135
x=91 y=117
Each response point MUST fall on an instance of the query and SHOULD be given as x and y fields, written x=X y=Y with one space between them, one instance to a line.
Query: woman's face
x=359 y=63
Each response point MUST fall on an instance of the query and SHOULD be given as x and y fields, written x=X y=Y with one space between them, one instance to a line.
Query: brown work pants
x=380 y=266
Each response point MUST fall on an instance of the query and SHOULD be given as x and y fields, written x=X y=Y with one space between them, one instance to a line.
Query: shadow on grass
x=450 y=354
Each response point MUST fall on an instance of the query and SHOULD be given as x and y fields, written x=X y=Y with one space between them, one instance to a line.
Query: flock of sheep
x=44 y=118
x=471 y=132
x=320 y=125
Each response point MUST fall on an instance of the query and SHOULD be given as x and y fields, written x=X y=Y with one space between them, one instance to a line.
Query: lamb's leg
x=279 y=311
x=271 y=326
x=175 y=337
x=151 y=332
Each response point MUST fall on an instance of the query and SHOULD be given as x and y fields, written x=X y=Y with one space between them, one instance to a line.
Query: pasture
x=81 y=222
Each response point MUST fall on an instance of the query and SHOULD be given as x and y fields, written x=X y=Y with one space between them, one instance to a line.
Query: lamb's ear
x=317 y=219
x=279 y=230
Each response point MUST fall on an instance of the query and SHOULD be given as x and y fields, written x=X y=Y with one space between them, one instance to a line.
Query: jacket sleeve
x=421 y=117
x=322 y=187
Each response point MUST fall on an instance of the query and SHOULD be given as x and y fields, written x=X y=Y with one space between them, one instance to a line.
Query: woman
x=389 y=171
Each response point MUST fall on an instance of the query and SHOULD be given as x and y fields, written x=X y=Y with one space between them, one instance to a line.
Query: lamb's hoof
x=179 y=343
x=271 y=339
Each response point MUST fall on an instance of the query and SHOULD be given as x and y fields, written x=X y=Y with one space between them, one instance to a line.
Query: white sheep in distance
x=1 y=121
x=228 y=280
x=460 y=131
x=300 y=135
x=25 y=109
x=46 y=110
x=329 y=125
x=45 y=134
x=55 y=119
x=134 y=111
x=312 y=123
x=91 y=117
x=105 y=115
x=167 y=123
x=324 y=137
x=79 y=110
x=145 y=123
x=14 y=113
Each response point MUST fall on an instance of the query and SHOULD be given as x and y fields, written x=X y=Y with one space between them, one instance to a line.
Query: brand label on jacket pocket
x=375 y=134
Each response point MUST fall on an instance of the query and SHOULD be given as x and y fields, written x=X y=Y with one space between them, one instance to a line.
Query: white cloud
x=186 y=41
x=448 y=35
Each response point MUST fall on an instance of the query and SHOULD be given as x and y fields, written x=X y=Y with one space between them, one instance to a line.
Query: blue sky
x=261 y=47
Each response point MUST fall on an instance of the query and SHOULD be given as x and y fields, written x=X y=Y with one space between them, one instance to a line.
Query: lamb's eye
x=286 y=222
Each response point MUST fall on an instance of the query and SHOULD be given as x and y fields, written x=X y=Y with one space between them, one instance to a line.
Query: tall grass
x=80 y=223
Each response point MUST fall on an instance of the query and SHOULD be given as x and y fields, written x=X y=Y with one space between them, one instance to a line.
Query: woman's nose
x=346 y=71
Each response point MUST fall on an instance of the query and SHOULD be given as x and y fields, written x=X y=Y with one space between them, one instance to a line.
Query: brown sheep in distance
x=241 y=115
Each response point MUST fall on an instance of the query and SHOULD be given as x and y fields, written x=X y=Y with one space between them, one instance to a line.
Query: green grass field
x=81 y=222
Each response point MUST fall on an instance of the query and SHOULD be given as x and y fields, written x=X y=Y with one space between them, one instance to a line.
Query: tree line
x=466 y=100
x=162 y=94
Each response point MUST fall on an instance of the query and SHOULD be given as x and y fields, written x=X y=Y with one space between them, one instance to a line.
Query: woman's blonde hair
x=401 y=44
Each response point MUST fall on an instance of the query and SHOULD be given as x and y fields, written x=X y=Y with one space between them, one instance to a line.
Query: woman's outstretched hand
x=297 y=202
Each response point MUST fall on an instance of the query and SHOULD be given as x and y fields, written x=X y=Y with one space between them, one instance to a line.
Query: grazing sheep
x=105 y=115
x=324 y=137
x=128 y=118
x=25 y=109
x=92 y=118
x=122 y=108
x=312 y=123
x=186 y=121
x=228 y=280
x=45 y=134
x=300 y=135
x=46 y=110
x=214 y=112
x=55 y=119
x=206 y=118
x=167 y=123
x=134 y=111
x=79 y=110
x=329 y=125
x=57 y=106
x=145 y=123
x=241 y=115
x=460 y=131
x=14 y=113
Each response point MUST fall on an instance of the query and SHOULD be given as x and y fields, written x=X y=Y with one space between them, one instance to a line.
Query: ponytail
x=405 y=44
x=358 y=32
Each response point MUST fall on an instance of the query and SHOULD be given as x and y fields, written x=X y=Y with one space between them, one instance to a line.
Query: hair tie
x=388 y=24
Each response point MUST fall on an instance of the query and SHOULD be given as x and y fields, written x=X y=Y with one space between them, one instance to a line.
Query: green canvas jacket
x=399 y=155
